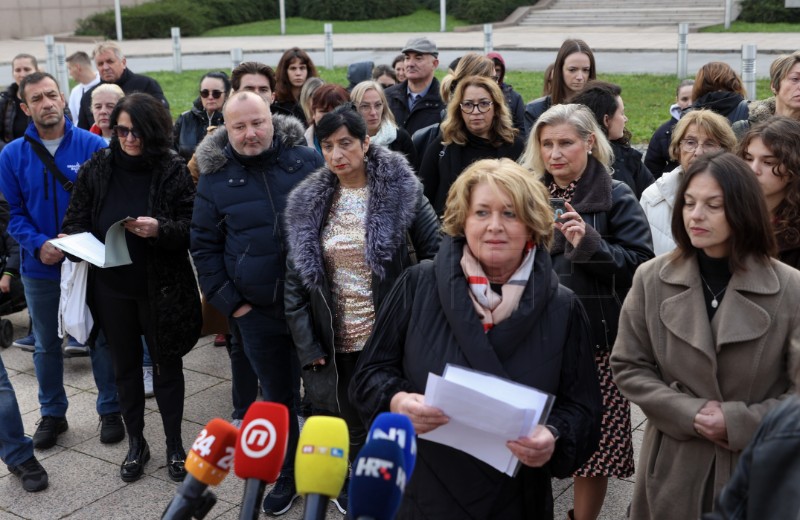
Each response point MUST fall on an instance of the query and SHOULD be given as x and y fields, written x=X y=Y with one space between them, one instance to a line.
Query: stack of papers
x=86 y=247
x=485 y=412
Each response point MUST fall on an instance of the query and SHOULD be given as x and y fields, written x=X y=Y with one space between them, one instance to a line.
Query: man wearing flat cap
x=416 y=102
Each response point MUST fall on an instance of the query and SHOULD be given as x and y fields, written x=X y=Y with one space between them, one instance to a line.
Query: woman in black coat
x=206 y=112
x=353 y=226
x=489 y=301
x=156 y=295
x=477 y=126
x=601 y=240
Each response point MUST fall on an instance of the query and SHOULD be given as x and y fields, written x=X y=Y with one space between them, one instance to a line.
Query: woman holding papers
x=709 y=338
x=489 y=301
x=156 y=295
x=602 y=238
x=352 y=227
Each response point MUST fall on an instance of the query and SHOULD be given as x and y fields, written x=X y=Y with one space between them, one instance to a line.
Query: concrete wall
x=30 y=18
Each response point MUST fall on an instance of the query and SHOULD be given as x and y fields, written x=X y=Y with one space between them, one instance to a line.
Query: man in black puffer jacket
x=247 y=170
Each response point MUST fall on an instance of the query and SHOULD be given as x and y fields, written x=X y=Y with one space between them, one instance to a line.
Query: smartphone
x=559 y=208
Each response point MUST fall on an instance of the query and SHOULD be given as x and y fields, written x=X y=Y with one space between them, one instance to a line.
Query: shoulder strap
x=7 y=112
x=49 y=163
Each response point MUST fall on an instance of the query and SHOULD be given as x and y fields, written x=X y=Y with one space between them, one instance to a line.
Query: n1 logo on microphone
x=372 y=467
x=258 y=438
x=397 y=435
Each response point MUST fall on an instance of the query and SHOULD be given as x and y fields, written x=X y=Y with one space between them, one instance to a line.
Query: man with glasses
x=113 y=68
x=416 y=102
x=36 y=176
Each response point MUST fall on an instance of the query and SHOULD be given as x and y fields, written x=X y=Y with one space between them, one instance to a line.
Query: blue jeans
x=270 y=356
x=146 y=360
x=15 y=448
x=244 y=382
x=43 y=297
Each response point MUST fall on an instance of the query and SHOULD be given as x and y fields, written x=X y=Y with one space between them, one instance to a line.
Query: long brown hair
x=560 y=93
x=283 y=89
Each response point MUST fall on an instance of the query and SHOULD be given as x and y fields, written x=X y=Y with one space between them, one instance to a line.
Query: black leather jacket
x=191 y=127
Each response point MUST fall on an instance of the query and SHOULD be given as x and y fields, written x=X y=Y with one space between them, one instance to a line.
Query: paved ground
x=84 y=474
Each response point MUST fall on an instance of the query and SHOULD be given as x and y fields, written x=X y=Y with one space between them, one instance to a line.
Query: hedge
x=478 y=11
x=355 y=9
x=768 y=11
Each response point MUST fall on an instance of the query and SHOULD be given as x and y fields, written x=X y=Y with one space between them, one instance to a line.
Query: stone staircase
x=697 y=13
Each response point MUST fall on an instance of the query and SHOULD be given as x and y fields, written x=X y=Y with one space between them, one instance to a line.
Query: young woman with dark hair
x=206 y=112
x=294 y=68
x=707 y=339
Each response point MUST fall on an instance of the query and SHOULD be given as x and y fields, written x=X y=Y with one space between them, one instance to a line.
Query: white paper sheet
x=86 y=247
x=485 y=412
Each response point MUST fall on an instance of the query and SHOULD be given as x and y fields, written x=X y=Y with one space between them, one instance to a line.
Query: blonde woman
x=370 y=101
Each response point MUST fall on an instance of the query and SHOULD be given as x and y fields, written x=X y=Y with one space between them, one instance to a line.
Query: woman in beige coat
x=707 y=339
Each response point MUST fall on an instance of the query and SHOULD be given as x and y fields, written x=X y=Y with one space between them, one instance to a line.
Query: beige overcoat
x=670 y=360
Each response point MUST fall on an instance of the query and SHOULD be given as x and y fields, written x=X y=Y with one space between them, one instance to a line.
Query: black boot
x=176 y=459
x=138 y=454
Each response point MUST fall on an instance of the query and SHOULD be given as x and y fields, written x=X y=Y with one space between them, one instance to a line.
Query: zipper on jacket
x=333 y=354
x=46 y=187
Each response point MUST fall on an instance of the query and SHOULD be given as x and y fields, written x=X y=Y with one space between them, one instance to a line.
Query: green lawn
x=739 y=27
x=647 y=97
x=422 y=21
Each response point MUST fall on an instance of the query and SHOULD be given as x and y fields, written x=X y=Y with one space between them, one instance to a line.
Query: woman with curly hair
x=294 y=68
x=477 y=126
x=772 y=150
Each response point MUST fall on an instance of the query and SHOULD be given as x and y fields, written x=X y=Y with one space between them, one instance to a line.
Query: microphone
x=378 y=481
x=260 y=450
x=206 y=465
x=320 y=466
x=398 y=428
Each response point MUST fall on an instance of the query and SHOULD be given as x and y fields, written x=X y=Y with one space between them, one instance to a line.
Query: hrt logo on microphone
x=372 y=467
x=258 y=438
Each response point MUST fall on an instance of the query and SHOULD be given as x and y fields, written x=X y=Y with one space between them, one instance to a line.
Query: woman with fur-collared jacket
x=350 y=227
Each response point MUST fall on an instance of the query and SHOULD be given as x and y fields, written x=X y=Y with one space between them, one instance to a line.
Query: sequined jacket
x=397 y=213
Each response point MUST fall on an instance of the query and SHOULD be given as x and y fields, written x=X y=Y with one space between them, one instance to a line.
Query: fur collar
x=761 y=110
x=210 y=154
x=391 y=209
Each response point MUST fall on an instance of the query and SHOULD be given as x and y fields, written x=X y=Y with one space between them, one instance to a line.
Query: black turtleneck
x=715 y=274
x=127 y=196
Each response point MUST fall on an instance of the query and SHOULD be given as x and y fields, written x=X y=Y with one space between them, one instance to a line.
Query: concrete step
x=645 y=16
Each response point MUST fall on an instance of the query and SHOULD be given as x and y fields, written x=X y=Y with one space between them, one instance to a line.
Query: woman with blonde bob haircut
x=477 y=126
x=602 y=237
x=370 y=101
x=489 y=301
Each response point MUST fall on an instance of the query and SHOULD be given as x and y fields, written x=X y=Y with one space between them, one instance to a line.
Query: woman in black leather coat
x=206 y=112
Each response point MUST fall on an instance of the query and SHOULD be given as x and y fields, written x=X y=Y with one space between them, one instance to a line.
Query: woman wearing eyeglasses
x=698 y=132
x=370 y=101
x=155 y=296
x=477 y=126
x=206 y=112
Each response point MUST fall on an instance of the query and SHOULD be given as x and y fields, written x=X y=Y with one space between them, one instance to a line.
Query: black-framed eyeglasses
x=216 y=94
x=123 y=131
x=469 y=107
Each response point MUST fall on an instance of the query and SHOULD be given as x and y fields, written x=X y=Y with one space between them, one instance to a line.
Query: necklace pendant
x=714 y=303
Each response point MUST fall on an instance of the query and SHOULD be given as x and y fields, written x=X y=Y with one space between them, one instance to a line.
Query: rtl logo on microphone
x=373 y=467
x=258 y=438
x=310 y=449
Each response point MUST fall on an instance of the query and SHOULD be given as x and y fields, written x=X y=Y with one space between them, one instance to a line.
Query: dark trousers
x=124 y=321
x=345 y=368
x=244 y=382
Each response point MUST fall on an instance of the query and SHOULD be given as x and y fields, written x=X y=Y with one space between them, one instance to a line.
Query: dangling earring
x=590 y=152
x=365 y=157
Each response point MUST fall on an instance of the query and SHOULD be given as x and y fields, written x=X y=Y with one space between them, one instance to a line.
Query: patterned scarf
x=490 y=306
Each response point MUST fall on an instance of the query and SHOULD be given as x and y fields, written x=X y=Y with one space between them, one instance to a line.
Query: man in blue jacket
x=238 y=246
x=38 y=200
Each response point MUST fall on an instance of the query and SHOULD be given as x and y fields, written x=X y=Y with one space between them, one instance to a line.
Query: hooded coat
x=516 y=106
x=237 y=236
x=398 y=216
x=670 y=360
x=428 y=321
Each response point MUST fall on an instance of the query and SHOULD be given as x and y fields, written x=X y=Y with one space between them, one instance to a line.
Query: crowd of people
x=357 y=239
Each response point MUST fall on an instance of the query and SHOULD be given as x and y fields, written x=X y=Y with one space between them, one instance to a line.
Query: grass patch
x=647 y=97
x=740 y=27
x=421 y=21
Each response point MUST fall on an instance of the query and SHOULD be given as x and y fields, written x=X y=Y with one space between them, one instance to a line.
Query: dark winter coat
x=533 y=110
x=171 y=285
x=657 y=158
x=191 y=127
x=758 y=112
x=397 y=212
x=728 y=104
x=428 y=321
x=237 y=234
x=764 y=484
x=442 y=164
x=600 y=270
x=13 y=121
x=516 y=106
x=426 y=112
x=129 y=82
x=629 y=168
